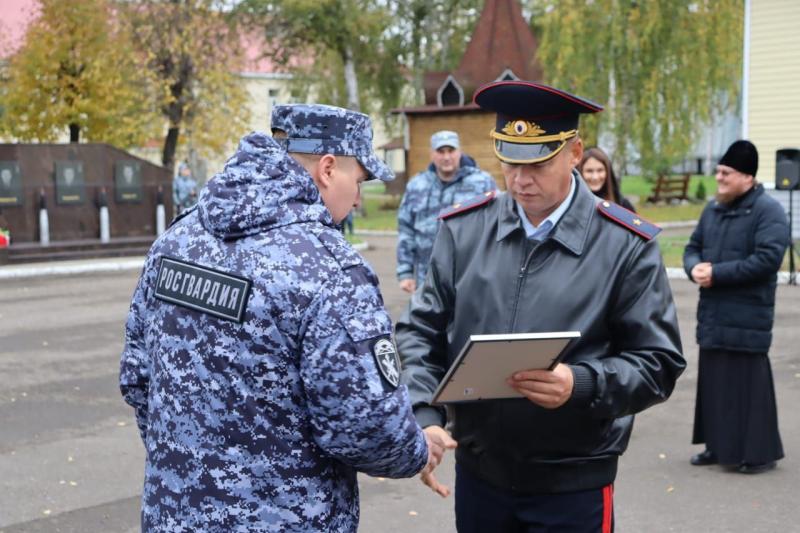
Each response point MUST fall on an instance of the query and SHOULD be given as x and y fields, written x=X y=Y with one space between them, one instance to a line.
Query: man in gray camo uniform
x=451 y=178
x=258 y=354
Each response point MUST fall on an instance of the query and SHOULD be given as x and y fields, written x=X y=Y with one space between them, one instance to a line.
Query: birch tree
x=663 y=68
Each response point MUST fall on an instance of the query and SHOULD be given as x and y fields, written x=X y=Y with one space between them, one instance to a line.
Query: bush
x=700 y=192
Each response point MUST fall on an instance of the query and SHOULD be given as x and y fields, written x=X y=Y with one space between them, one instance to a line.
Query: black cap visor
x=517 y=153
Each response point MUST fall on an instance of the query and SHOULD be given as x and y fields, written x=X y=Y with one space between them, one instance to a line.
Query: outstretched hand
x=547 y=388
x=408 y=284
x=439 y=441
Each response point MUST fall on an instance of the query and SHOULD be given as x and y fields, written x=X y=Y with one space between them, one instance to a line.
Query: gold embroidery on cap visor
x=526 y=150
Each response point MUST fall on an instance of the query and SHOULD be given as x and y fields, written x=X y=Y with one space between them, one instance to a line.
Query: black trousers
x=482 y=508
x=735 y=413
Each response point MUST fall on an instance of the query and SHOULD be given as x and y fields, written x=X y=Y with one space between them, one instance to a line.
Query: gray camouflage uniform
x=417 y=219
x=259 y=360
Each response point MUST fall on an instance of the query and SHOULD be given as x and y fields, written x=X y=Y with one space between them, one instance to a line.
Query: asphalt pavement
x=71 y=459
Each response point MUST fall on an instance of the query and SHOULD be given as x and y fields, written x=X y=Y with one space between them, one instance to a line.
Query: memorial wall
x=73 y=181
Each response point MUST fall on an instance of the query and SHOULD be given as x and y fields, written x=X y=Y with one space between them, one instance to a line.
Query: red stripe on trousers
x=608 y=508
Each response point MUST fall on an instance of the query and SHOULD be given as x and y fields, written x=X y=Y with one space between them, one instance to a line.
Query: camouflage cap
x=324 y=129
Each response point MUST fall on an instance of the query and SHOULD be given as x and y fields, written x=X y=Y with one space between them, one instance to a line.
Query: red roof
x=501 y=40
x=15 y=17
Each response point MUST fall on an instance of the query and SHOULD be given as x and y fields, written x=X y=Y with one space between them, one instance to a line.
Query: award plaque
x=70 y=187
x=127 y=181
x=10 y=184
x=486 y=361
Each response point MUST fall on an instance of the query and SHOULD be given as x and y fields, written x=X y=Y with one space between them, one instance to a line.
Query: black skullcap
x=742 y=156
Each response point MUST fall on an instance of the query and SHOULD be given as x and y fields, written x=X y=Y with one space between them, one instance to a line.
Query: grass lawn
x=376 y=218
x=641 y=188
x=670 y=213
x=672 y=249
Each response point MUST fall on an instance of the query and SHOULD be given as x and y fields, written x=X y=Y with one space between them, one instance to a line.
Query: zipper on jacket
x=520 y=279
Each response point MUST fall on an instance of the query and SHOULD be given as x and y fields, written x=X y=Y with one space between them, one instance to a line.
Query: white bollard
x=44 y=227
x=161 y=219
x=105 y=229
x=161 y=215
x=44 y=220
x=105 y=225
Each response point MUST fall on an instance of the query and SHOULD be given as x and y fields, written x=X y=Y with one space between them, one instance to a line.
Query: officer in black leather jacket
x=545 y=256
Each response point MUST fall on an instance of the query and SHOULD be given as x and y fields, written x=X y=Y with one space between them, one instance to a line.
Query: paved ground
x=71 y=460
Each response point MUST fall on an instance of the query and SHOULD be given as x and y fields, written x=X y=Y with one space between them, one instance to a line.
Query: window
x=507 y=75
x=450 y=93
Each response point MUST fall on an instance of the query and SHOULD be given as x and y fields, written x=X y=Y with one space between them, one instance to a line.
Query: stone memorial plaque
x=10 y=184
x=70 y=186
x=127 y=181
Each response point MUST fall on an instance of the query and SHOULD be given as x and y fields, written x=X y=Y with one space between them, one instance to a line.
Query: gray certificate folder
x=486 y=361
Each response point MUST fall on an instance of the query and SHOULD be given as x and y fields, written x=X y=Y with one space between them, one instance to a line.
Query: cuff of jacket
x=583 y=386
x=429 y=416
x=688 y=266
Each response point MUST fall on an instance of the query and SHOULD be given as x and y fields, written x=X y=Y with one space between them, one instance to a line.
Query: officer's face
x=731 y=183
x=594 y=172
x=446 y=160
x=540 y=187
x=344 y=192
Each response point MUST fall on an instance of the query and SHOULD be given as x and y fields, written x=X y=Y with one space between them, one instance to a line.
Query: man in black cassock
x=734 y=255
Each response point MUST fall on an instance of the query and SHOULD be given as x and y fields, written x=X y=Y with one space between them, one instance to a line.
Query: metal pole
x=792 y=276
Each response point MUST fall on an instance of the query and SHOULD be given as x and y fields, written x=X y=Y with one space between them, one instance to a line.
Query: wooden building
x=502 y=47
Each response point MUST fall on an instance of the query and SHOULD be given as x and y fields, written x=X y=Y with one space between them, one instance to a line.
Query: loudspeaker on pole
x=787 y=169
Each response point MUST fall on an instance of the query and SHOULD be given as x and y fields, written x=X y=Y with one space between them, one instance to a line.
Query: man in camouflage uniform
x=184 y=189
x=451 y=178
x=258 y=354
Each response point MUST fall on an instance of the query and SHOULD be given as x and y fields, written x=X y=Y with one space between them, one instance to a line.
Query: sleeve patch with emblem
x=203 y=289
x=387 y=361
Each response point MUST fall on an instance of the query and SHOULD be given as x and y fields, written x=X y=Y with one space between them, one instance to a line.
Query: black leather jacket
x=592 y=275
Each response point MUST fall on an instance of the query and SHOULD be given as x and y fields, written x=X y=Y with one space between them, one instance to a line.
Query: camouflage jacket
x=184 y=190
x=252 y=359
x=417 y=219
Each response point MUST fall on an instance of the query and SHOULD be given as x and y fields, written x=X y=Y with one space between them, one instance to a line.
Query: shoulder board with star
x=628 y=219
x=467 y=205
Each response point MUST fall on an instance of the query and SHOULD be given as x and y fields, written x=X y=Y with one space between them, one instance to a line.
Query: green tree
x=74 y=72
x=432 y=35
x=661 y=67
x=342 y=36
x=365 y=51
x=190 y=51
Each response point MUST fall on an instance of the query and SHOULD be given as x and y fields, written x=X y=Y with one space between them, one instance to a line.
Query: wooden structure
x=502 y=47
x=75 y=224
x=670 y=187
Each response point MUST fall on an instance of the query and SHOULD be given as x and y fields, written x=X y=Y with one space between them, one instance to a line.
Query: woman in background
x=599 y=175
